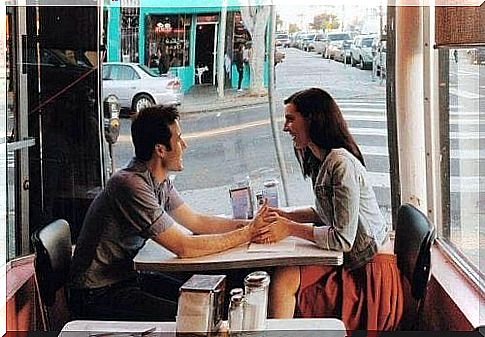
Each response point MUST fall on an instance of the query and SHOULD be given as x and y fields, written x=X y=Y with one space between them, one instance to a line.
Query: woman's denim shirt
x=347 y=206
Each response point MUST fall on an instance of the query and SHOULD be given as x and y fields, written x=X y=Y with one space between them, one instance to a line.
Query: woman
x=365 y=292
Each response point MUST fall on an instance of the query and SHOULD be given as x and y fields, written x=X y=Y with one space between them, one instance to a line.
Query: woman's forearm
x=303 y=215
x=303 y=231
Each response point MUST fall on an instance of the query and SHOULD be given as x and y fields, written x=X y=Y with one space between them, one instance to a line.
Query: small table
x=301 y=327
x=155 y=258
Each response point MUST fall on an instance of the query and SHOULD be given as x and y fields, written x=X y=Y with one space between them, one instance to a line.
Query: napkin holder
x=200 y=305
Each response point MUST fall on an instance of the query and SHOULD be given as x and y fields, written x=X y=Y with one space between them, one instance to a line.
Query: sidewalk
x=204 y=98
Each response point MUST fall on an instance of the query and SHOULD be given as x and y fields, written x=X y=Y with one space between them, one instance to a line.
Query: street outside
x=225 y=146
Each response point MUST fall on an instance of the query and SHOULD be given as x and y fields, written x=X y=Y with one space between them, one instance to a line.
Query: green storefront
x=186 y=34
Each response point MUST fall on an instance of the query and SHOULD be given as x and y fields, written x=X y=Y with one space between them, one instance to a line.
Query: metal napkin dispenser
x=200 y=304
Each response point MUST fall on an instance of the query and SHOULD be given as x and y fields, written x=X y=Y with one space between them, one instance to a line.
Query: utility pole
x=220 y=50
x=380 y=21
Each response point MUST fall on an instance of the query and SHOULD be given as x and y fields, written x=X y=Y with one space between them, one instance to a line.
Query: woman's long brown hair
x=328 y=128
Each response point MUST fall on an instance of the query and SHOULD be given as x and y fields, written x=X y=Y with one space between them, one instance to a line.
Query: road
x=226 y=146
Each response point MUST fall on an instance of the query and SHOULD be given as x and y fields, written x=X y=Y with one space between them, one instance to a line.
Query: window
x=53 y=159
x=335 y=37
x=227 y=145
x=168 y=37
x=367 y=42
x=464 y=228
x=123 y=73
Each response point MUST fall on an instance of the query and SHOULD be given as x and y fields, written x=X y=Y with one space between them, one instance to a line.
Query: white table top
x=153 y=257
x=280 y=327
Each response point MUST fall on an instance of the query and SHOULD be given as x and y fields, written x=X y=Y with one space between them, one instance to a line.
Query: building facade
x=183 y=35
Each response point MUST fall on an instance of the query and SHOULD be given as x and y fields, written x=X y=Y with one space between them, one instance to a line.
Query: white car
x=361 y=51
x=136 y=86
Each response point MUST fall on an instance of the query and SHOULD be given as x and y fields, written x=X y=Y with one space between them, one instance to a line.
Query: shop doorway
x=205 y=53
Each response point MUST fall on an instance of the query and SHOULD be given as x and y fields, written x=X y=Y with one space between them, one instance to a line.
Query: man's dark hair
x=151 y=126
x=328 y=128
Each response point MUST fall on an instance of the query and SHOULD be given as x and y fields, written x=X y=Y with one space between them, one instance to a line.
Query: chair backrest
x=412 y=246
x=53 y=249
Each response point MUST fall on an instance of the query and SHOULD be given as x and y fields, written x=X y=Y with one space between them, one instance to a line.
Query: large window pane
x=226 y=145
x=466 y=118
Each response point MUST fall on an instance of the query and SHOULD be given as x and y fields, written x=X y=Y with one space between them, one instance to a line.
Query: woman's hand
x=262 y=220
x=277 y=230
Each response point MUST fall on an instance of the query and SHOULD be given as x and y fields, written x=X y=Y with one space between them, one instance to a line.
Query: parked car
x=61 y=72
x=333 y=49
x=342 y=54
x=136 y=86
x=317 y=42
x=320 y=43
x=307 y=42
x=361 y=51
x=332 y=37
x=282 y=39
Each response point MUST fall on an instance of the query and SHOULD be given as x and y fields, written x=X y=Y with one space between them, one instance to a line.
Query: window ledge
x=19 y=272
x=458 y=287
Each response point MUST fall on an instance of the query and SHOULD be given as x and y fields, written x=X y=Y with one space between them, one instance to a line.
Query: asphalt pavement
x=295 y=73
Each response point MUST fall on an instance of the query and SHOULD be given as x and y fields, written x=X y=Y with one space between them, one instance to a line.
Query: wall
x=444 y=310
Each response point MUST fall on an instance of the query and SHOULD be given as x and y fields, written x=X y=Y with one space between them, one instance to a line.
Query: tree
x=325 y=21
x=293 y=28
x=279 y=22
x=255 y=18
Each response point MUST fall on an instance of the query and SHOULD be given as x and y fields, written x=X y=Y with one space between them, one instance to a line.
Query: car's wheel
x=142 y=101
x=361 y=63
x=352 y=61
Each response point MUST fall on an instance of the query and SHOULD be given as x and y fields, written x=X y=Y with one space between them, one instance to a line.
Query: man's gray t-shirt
x=131 y=209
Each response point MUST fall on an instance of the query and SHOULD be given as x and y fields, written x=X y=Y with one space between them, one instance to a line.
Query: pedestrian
x=239 y=62
x=139 y=203
x=366 y=292
x=163 y=61
x=455 y=55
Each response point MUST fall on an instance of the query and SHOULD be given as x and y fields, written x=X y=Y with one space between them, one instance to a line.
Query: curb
x=189 y=109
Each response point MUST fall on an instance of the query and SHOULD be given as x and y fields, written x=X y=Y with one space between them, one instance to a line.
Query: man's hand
x=279 y=211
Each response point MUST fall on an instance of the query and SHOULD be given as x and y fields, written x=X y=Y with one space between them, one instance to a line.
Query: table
x=155 y=258
x=298 y=327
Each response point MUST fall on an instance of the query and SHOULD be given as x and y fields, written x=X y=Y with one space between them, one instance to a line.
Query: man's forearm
x=200 y=245
x=211 y=224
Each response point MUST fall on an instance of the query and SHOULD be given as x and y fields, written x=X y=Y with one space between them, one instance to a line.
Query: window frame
x=467 y=268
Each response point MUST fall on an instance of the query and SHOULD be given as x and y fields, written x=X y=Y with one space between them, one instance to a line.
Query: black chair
x=412 y=246
x=53 y=251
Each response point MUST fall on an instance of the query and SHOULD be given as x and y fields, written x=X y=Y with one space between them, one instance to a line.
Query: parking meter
x=111 y=121
x=111 y=112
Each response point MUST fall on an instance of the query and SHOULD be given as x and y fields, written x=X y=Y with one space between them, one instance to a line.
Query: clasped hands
x=269 y=225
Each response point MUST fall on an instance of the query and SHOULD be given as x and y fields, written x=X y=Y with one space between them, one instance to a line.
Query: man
x=140 y=203
x=163 y=61
x=239 y=62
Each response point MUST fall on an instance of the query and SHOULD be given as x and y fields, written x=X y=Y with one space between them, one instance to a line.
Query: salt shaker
x=271 y=192
x=236 y=314
x=256 y=287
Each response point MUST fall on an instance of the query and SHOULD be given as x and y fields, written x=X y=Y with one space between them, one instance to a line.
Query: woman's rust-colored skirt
x=368 y=298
